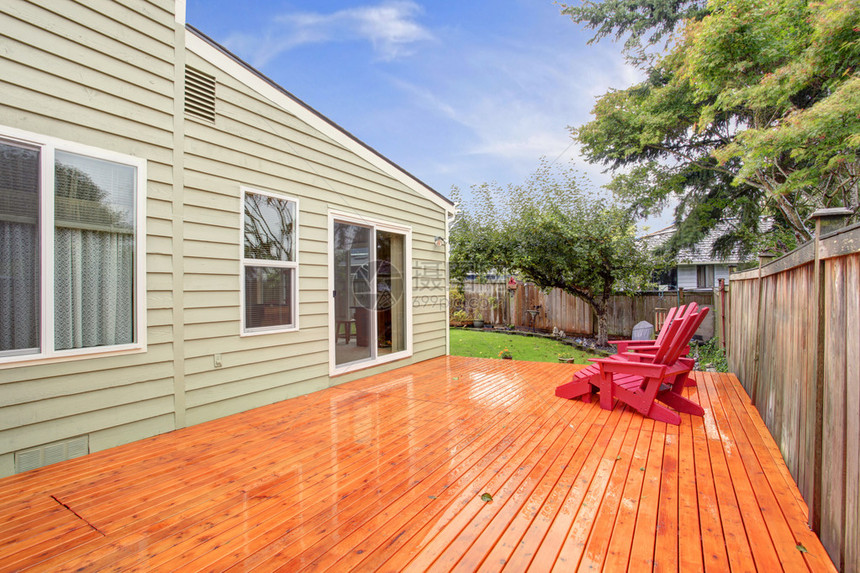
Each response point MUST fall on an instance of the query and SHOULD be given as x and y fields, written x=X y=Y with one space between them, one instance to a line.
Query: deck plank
x=621 y=542
x=778 y=497
x=536 y=549
x=772 y=544
x=387 y=472
x=645 y=534
x=735 y=538
x=596 y=550
x=666 y=546
x=690 y=548
x=579 y=532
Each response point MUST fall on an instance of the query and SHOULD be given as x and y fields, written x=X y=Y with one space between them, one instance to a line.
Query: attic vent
x=199 y=94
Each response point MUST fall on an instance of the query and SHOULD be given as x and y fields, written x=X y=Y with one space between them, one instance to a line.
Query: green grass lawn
x=466 y=342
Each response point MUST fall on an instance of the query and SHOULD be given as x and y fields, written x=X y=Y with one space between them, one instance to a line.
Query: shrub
x=710 y=353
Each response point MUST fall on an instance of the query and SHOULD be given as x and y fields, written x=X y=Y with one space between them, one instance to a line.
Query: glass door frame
x=374 y=225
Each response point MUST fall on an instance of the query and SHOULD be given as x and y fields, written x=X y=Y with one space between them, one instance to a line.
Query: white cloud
x=516 y=103
x=478 y=103
x=391 y=27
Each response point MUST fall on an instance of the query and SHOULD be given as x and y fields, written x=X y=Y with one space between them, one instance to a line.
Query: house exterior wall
x=108 y=75
x=259 y=144
x=99 y=74
x=687 y=275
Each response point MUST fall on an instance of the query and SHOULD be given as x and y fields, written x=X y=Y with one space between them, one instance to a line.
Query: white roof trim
x=231 y=66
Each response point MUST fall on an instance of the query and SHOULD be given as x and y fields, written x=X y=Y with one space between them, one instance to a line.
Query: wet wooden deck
x=390 y=473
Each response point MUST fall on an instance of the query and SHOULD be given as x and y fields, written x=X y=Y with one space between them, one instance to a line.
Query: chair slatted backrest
x=684 y=335
x=675 y=312
x=671 y=329
x=670 y=316
x=678 y=336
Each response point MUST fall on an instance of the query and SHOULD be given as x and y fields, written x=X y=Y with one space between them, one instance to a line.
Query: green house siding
x=257 y=143
x=100 y=75
x=107 y=75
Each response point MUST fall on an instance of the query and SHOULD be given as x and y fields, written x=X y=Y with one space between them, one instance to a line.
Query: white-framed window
x=269 y=262
x=71 y=249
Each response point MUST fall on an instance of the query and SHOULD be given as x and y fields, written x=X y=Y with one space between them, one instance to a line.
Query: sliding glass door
x=370 y=312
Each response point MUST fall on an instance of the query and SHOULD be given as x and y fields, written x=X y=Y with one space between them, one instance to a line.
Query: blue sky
x=455 y=92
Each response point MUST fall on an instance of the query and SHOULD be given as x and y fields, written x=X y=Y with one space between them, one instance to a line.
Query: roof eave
x=318 y=120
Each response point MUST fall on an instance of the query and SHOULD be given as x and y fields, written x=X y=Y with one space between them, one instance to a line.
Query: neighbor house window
x=70 y=249
x=269 y=262
x=704 y=276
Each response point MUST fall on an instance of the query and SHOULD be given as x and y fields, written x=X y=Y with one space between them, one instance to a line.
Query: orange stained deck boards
x=387 y=473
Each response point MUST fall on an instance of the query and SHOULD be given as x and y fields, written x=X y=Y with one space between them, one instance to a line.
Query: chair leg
x=643 y=399
x=575 y=389
x=581 y=386
x=607 y=391
x=663 y=414
x=680 y=403
x=347 y=330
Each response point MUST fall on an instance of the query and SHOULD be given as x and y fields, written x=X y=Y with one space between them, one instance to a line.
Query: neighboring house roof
x=221 y=57
x=700 y=253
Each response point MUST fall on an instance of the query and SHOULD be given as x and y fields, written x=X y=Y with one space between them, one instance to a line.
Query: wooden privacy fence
x=498 y=304
x=793 y=339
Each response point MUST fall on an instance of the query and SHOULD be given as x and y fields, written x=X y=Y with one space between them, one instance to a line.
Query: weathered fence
x=497 y=304
x=793 y=339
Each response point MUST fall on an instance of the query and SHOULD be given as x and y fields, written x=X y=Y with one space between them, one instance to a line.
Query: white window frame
x=246 y=262
x=375 y=225
x=48 y=146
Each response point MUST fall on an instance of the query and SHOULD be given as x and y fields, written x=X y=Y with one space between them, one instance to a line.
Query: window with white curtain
x=269 y=263
x=70 y=249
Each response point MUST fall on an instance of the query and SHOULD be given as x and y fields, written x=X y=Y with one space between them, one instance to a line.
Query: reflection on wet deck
x=389 y=472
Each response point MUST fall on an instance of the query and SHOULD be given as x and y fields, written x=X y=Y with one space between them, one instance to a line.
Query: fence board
x=852 y=408
x=832 y=501
x=742 y=312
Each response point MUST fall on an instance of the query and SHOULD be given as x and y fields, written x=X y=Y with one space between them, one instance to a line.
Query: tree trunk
x=602 y=327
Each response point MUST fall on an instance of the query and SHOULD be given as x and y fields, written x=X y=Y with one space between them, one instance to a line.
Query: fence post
x=721 y=324
x=826 y=220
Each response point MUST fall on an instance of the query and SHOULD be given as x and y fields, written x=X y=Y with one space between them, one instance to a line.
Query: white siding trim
x=447 y=285
x=230 y=66
x=179 y=12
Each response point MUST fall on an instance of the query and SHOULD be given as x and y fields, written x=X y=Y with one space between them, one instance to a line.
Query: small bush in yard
x=711 y=354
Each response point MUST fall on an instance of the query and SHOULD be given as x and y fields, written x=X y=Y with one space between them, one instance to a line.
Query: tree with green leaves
x=551 y=232
x=754 y=111
x=635 y=20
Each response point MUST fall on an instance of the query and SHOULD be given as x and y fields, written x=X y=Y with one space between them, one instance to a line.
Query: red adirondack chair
x=643 y=384
x=583 y=381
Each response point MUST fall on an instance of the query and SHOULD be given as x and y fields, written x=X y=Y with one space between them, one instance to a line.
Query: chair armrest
x=621 y=344
x=634 y=345
x=626 y=357
x=646 y=349
x=631 y=357
x=637 y=368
